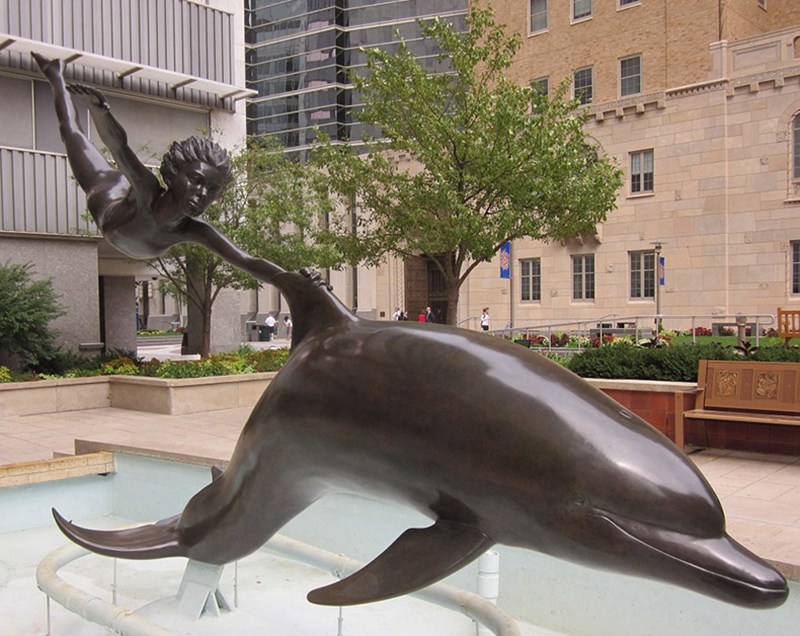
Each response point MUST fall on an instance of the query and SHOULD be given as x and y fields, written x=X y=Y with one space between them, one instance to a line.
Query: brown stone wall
x=744 y=18
x=611 y=34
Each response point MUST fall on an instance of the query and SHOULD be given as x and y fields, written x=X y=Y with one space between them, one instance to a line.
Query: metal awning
x=122 y=68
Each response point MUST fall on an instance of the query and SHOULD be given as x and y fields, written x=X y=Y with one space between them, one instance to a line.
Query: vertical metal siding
x=38 y=194
x=172 y=34
x=37 y=191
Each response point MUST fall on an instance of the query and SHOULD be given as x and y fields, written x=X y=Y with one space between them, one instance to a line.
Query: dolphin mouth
x=717 y=566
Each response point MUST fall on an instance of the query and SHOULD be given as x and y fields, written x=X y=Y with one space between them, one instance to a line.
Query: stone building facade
x=698 y=104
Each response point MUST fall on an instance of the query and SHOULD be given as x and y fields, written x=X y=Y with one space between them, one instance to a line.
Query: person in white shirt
x=270 y=322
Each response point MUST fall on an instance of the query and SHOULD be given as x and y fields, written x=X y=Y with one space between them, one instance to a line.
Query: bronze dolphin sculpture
x=493 y=442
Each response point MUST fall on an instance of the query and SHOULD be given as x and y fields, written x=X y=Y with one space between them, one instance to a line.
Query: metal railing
x=638 y=327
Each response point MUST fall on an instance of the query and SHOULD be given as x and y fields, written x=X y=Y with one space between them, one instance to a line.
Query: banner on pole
x=505 y=260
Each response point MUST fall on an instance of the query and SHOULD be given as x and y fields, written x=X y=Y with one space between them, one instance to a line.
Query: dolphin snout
x=717 y=566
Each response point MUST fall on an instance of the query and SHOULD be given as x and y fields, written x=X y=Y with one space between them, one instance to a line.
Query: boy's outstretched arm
x=202 y=233
x=115 y=138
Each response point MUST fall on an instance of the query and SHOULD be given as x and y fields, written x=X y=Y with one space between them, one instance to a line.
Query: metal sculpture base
x=199 y=591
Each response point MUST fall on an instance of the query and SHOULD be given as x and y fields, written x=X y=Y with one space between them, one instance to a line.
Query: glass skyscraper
x=299 y=54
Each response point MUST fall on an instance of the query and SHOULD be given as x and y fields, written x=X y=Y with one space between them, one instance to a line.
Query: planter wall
x=652 y=401
x=178 y=397
x=655 y=402
x=170 y=397
x=53 y=396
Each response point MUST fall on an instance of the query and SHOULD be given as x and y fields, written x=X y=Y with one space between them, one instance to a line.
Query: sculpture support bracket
x=199 y=591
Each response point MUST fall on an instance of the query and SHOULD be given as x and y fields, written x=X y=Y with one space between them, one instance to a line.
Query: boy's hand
x=95 y=97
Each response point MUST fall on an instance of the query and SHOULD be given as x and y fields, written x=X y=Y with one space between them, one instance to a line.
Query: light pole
x=657 y=292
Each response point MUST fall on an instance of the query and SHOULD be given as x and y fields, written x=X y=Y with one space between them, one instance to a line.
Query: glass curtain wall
x=300 y=54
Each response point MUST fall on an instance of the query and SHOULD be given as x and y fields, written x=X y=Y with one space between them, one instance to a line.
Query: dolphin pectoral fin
x=216 y=472
x=419 y=557
x=152 y=541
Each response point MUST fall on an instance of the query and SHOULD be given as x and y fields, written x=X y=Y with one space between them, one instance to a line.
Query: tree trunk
x=206 y=344
x=453 y=291
x=198 y=311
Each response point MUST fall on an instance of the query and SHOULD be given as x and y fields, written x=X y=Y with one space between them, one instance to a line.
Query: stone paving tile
x=791 y=496
x=773 y=512
x=786 y=475
x=765 y=490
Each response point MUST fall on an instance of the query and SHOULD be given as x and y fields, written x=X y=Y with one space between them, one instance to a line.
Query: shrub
x=121 y=365
x=26 y=309
x=269 y=359
x=149 y=368
x=559 y=340
x=677 y=364
x=5 y=374
x=776 y=354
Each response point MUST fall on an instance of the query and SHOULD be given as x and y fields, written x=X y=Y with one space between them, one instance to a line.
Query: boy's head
x=194 y=150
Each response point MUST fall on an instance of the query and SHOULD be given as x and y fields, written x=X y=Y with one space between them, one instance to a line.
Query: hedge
x=622 y=361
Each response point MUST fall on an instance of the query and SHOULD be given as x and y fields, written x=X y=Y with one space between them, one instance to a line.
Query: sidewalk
x=759 y=493
x=173 y=352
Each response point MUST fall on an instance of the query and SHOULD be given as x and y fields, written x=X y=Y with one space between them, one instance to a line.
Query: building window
x=583 y=277
x=531 y=278
x=642 y=172
x=541 y=86
x=625 y=3
x=582 y=85
x=581 y=9
x=538 y=15
x=643 y=275
x=630 y=75
x=795 y=267
x=796 y=147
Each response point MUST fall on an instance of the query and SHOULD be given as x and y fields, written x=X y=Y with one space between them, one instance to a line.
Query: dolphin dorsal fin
x=419 y=557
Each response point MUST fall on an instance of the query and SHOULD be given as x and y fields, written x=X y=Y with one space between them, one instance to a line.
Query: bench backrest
x=788 y=323
x=749 y=386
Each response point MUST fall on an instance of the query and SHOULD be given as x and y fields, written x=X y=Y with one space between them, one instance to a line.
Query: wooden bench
x=788 y=324
x=742 y=391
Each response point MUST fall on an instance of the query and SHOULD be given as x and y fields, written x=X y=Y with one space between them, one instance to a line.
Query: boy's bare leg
x=90 y=167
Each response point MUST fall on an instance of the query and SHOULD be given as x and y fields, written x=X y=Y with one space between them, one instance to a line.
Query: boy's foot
x=50 y=68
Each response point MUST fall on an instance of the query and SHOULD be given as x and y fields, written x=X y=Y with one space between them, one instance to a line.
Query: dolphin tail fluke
x=417 y=558
x=152 y=541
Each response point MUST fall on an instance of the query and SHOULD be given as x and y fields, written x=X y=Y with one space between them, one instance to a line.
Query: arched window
x=796 y=147
x=797 y=48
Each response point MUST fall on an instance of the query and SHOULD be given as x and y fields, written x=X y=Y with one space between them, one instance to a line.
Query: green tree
x=492 y=161
x=271 y=210
x=26 y=308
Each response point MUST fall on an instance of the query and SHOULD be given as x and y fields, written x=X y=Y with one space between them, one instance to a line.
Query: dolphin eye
x=578 y=500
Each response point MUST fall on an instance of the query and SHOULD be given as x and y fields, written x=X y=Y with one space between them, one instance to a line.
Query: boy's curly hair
x=193 y=149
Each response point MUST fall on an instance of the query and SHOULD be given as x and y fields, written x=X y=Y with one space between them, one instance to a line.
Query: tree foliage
x=27 y=307
x=271 y=210
x=492 y=161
